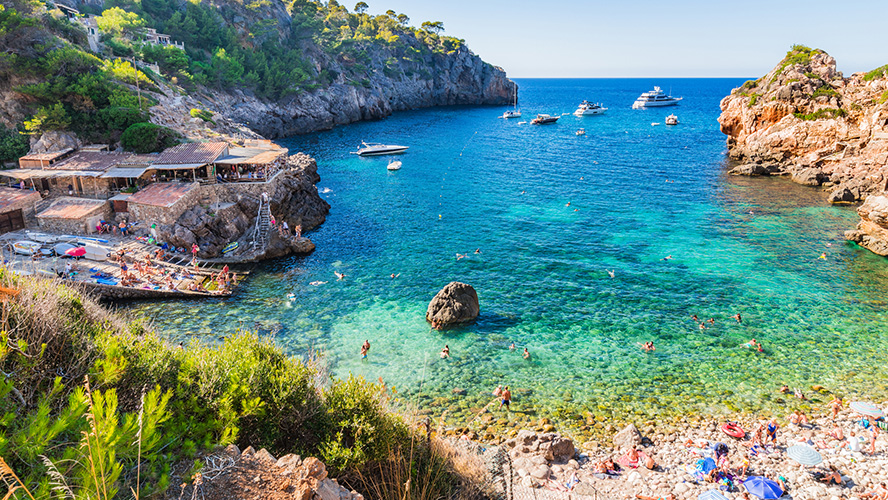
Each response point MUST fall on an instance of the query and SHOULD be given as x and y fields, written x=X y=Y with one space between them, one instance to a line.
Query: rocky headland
x=807 y=121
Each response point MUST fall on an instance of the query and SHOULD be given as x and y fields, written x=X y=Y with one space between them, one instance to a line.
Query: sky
x=638 y=38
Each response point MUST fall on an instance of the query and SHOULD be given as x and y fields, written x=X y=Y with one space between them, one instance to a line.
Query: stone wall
x=93 y=187
x=82 y=225
x=150 y=214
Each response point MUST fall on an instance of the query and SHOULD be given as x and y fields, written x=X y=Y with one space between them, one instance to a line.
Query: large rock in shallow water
x=455 y=303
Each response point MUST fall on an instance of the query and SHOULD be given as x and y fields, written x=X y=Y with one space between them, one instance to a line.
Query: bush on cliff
x=147 y=137
x=95 y=402
x=876 y=73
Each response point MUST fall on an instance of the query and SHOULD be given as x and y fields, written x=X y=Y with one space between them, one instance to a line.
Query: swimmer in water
x=711 y=321
x=445 y=353
x=366 y=345
x=784 y=389
x=576 y=210
x=395 y=275
x=695 y=318
x=702 y=326
x=363 y=352
x=291 y=296
x=611 y=273
x=526 y=353
x=339 y=276
x=477 y=250
x=737 y=317
x=316 y=283
x=568 y=204
x=512 y=347
x=667 y=257
x=522 y=192
x=823 y=256
x=461 y=256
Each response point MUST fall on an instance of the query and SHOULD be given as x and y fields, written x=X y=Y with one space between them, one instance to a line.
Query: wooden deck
x=104 y=278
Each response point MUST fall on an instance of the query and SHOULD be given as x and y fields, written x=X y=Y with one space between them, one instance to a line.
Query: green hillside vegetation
x=69 y=89
x=231 y=44
x=102 y=407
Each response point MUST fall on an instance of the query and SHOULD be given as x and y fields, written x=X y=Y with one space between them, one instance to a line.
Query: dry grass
x=13 y=483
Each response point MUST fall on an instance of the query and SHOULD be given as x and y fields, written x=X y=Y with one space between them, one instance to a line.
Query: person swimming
x=316 y=283
x=512 y=346
x=445 y=353
x=737 y=317
x=339 y=276
x=667 y=257
x=611 y=273
x=461 y=255
x=291 y=296
x=526 y=353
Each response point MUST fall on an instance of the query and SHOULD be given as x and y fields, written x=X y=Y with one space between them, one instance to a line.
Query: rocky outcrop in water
x=455 y=303
x=805 y=120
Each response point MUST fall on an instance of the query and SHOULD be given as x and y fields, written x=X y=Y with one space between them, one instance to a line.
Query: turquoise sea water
x=637 y=193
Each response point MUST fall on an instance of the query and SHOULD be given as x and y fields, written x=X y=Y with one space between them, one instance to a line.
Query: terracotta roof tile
x=162 y=194
x=47 y=156
x=91 y=161
x=72 y=208
x=194 y=152
x=9 y=195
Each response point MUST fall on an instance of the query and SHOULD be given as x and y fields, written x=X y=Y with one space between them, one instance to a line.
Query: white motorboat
x=582 y=131
x=514 y=113
x=543 y=119
x=655 y=98
x=395 y=165
x=589 y=109
x=375 y=149
x=672 y=120
x=25 y=247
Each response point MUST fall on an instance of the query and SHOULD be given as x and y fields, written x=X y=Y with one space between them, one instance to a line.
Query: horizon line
x=623 y=77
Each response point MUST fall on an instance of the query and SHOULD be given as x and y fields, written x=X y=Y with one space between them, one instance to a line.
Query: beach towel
x=625 y=461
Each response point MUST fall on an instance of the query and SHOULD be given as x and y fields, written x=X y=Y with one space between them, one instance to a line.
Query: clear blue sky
x=575 y=38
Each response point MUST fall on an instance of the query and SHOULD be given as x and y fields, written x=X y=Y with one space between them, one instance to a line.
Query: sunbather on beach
x=798 y=418
x=832 y=477
x=669 y=496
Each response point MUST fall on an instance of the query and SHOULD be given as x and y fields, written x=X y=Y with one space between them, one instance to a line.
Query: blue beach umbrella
x=712 y=495
x=868 y=409
x=804 y=454
x=763 y=487
x=706 y=464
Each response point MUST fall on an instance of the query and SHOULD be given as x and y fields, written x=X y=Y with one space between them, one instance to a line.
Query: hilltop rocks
x=805 y=120
x=54 y=141
x=455 y=303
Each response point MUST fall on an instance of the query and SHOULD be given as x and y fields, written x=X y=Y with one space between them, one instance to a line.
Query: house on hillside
x=155 y=38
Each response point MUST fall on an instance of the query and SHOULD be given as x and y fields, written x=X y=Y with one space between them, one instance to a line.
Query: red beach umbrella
x=76 y=252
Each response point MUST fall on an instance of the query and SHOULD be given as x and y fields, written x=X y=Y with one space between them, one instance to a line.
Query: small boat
x=582 y=131
x=514 y=113
x=522 y=122
x=655 y=98
x=654 y=124
x=543 y=119
x=589 y=109
x=376 y=149
x=230 y=247
x=26 y=247
x=672 y=120
x=395 y=165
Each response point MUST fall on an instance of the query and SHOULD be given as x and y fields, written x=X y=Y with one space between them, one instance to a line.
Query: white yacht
x=394 y=165
x=588 y=109
x=655 y=98
x=374 y=149
x=672 y=120
x=543 y=119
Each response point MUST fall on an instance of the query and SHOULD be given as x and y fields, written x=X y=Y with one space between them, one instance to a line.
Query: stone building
x=16 y=205
x=191 y=161
x=73 y=215
x=163 y=202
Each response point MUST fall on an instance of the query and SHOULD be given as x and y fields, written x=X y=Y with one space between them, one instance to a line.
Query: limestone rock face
x=455 y=303
x=806 y=120
x=54 y=141
x=872 y=230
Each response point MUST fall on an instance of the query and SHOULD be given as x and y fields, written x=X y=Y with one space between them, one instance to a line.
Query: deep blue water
x=637 y=193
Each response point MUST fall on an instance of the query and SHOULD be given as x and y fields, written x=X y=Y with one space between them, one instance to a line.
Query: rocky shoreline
x=806 y=121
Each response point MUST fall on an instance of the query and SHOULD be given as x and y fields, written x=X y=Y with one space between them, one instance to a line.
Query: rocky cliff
x=450 y=79
x=804 y=119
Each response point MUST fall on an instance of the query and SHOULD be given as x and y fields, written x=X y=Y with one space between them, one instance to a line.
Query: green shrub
x=876 y=73
x=202 y=114
x=13 y=145
x=882 y=98
x=753 y=99
x=821 y=113
x=145 y=137
x=825 y=91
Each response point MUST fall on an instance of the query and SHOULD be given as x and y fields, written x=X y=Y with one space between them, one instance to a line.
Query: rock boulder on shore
x=455 y=303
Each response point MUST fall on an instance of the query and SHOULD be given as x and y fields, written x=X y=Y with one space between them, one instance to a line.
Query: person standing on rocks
x=507 y=398
x=772 y=431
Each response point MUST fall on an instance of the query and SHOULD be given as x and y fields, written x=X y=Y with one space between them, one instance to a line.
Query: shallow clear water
x=637 y=193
